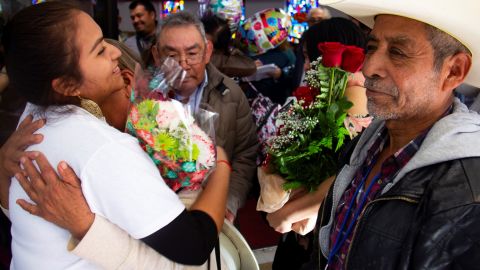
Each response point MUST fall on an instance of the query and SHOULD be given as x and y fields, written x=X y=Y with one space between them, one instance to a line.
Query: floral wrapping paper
x=167 y=131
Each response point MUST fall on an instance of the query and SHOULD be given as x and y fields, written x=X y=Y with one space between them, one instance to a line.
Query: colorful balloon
x=265 y=30
x=230 y=10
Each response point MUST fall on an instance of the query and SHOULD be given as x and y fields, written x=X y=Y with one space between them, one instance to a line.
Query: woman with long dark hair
x=57 y=59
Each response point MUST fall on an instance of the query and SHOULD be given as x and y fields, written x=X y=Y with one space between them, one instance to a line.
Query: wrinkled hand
x=58 y=200
x=276 y=74
x=282 y=220
x=305 y=226
x=14 y=147
x=279 y=222
x=258 y=63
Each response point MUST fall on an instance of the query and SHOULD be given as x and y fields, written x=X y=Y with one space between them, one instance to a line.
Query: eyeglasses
x=191 y=58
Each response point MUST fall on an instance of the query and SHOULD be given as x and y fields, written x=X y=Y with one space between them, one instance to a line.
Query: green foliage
x=305 y=152
x=148 y=109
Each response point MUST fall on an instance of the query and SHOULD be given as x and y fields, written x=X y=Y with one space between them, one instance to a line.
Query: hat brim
x=455 y=18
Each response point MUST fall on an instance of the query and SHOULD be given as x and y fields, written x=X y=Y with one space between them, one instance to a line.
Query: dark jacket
x=234 y=65
x=235 y=132
x=429 y=217
x=430 y=220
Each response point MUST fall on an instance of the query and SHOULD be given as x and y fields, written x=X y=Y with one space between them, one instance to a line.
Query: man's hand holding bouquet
x=311 y=131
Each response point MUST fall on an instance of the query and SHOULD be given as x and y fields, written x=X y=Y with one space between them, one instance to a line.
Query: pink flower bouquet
x=183 y=152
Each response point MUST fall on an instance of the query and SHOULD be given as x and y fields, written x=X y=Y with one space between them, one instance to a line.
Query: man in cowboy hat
x=409 y=196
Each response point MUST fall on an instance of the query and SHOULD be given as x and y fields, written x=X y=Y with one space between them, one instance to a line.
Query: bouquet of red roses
x=311 y=131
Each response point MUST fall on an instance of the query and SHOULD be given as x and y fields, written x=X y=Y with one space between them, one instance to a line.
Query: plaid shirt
x=390 y=167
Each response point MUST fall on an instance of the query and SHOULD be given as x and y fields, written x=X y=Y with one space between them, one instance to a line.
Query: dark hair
x=332 y=30
x=219 y=30
x=39 y=47
x=443 y=45
x=146 y=3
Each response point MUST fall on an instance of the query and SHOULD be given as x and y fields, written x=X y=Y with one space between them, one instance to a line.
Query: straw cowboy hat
x=458 y=19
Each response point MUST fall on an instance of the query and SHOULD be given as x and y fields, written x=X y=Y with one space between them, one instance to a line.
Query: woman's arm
x=294 y=213
x=216 y=187
x=126 y=252
x=102 y=242
x=205 y=218
x=62 y=202
x=13 y=149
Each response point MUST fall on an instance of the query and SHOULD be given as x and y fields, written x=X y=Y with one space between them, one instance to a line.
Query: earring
x=91 y=107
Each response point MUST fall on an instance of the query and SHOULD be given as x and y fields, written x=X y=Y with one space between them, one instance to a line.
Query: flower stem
x=330 y=87
x=344 y=86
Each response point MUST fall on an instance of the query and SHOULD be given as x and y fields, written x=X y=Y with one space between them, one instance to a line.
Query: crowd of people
x=82 y=194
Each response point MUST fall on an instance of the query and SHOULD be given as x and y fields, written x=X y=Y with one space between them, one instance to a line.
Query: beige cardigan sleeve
x=110 y=247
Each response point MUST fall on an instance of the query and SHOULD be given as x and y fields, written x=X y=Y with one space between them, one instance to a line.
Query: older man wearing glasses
x=182 y=37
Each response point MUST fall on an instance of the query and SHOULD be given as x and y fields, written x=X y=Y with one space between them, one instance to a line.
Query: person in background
x=316 y=15
x=144 y=20
x=230 y=61
x=182 y=37
x=279 y=85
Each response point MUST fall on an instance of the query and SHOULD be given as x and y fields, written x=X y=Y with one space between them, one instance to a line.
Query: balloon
x=230 y=10
x=265 y=30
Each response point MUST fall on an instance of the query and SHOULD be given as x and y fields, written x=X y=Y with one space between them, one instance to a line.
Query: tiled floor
x=266 y=266
x=265 y=257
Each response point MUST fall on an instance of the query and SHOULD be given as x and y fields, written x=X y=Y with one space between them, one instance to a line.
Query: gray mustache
x=375 y=85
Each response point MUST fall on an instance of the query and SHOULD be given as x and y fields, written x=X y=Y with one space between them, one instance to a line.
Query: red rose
x=305 y=93
x=331 y=53
x=301 y=92
x=353 y=59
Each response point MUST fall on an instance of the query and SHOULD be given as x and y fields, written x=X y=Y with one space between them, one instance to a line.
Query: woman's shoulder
x=73 y=127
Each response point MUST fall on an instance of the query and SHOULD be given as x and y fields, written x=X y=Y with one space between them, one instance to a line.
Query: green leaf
x=292 y=185
x=327 y=142
x=341 y=119
x=332 y=110
x=308 y=155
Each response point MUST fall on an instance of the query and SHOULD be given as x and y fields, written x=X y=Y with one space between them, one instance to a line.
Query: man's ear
x=156 y=55
x=455 y=68
x=208 y=51
x=128 y=78
x=64 y=88
x=153 y=14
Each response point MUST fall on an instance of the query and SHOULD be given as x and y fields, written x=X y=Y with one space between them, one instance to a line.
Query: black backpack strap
x=217 y=256
x=265 y=118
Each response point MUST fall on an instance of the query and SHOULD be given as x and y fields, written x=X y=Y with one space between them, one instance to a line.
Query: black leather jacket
x=428 y=220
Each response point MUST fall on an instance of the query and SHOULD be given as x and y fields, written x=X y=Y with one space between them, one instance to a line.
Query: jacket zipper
x=403 y=198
